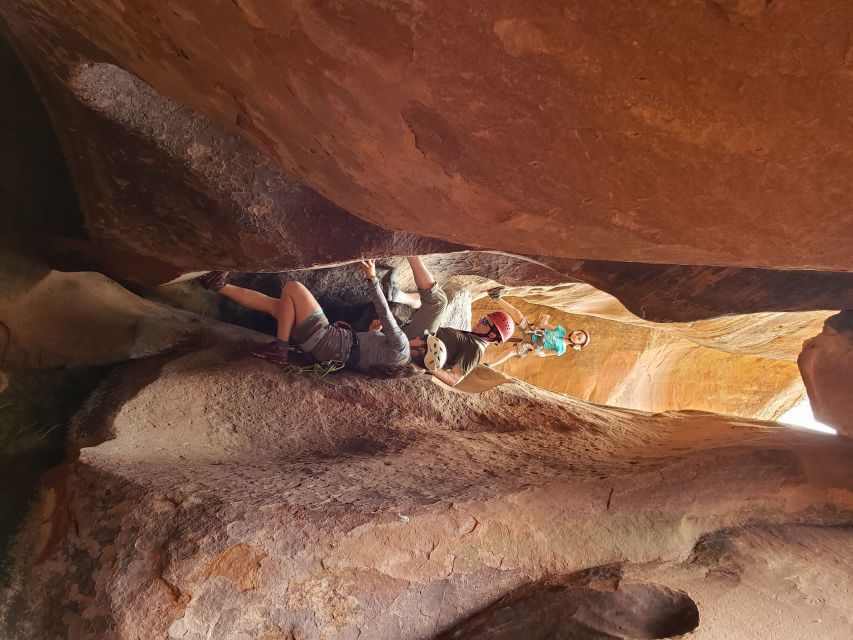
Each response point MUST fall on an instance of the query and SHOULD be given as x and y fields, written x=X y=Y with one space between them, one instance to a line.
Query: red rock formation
x=165 y=191
x=684 y=134
x=658 y=293
x=220 y=504
x=652 y=368
x=735 y=575
x=50 y=319
x=681 y=293
x=827 y=369
x=222 y=498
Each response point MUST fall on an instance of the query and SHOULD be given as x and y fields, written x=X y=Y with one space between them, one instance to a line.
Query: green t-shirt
x=463 y=349
x=553 y=339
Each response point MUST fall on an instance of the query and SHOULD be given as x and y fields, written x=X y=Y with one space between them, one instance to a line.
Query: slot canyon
x=674 y=179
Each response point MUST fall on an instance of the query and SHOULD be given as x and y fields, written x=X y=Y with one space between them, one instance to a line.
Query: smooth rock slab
x=382 y=508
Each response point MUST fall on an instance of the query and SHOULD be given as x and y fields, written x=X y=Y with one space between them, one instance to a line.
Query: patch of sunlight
x=801 y=416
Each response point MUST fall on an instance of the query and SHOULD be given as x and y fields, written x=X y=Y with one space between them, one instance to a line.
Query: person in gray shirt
x=301 y=322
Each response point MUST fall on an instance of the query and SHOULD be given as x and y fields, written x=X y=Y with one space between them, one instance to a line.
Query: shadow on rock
x=590 y=605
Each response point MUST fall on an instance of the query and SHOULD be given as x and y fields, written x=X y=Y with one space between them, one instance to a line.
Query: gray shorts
x=324 y=342
x=428 y=317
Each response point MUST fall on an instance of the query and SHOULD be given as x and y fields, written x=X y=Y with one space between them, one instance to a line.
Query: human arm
x=390 y=328
x=450 y=377
x=514 y=313
x=544 y=353
x=504 y=358
x=544 y=322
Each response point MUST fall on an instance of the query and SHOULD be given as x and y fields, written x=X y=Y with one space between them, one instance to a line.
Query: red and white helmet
x=503 y=323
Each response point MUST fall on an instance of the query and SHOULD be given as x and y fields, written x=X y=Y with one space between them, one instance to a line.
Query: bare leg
x=423 y=278
x=412 y=300
x=250 y=299
x=296 y=304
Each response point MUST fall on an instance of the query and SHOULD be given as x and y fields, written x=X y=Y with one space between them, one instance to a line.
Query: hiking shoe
x=214 y=280
x=389 y=284
x=276 y=352
x=495 y=293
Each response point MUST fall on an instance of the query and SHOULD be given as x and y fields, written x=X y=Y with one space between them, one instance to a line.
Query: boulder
x=733 y=575
x=220 y=505
x=50 y=319
x=826 y=365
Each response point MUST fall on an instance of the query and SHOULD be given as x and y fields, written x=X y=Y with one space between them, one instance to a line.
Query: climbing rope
x=318 y=369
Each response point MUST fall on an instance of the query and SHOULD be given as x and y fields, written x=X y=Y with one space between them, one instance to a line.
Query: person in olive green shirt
x=465 y=349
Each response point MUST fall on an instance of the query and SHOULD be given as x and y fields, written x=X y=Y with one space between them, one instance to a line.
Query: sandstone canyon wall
x=678 y=178
x=654 y=370
x=683 y=134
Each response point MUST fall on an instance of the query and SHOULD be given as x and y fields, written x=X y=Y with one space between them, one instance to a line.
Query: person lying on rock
x=544 y=340
x=465 y=349
x=301 y=322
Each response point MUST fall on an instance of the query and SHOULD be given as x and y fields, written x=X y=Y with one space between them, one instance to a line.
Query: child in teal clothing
x=543 y=341
x=550 y=339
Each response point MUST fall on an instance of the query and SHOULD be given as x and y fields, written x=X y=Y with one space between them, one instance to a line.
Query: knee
x=292 y=287
x=439 y=297
x=440 y=300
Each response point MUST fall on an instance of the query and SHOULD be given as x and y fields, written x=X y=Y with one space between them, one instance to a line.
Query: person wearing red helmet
x=544 y=340
x=465 y=349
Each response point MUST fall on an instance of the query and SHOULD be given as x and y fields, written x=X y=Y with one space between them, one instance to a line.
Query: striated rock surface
x=826 y=364
x=697 y=143
x=682 y=293
x=665 y=293
x=232 y=500
x=165 y=191
x=653 y=369
x=778 y=335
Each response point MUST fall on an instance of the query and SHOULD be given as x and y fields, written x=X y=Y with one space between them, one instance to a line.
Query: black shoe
x=389 y=284
x=276 y=352
x=214 y=280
